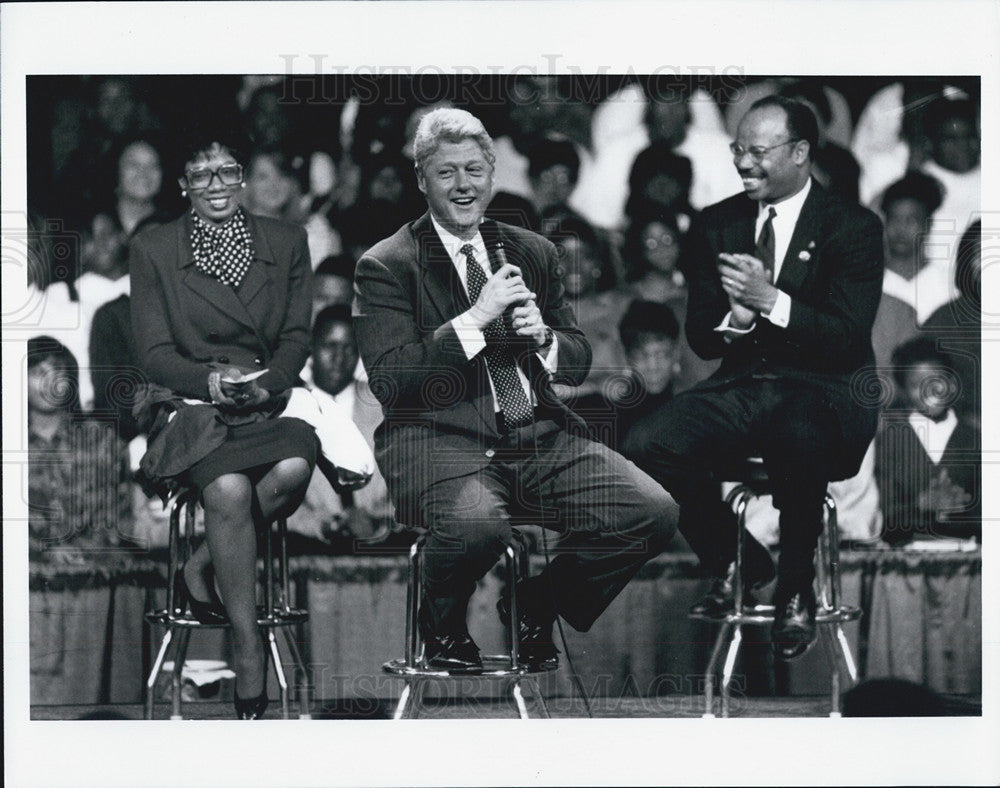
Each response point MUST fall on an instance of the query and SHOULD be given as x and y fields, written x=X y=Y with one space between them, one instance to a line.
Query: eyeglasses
x=229 y=175
x=757 y=152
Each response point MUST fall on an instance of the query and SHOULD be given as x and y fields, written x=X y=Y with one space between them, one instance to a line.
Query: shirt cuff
x=727 y=329
x=781 y=313
x=550 y=359
x=469 y=335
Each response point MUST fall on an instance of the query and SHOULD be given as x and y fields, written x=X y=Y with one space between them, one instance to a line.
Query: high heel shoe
x=211 y=612
x=251 y=708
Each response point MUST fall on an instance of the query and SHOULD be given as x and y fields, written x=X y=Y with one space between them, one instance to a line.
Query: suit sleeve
x=293 y=344
x=574 y=350
x=708 y=304
x=388 y=321
x=151 y=329
x=842 y=321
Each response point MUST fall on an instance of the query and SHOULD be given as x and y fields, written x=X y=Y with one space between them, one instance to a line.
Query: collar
x=787 y=210
x=933 y=435
x=453 y=245
x=261 y=241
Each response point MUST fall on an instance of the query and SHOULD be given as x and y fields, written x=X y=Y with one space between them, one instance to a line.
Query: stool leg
x=404 y=698
x=512 y=594
x=742 y=501
x=279 y=671
x=833 y=539
x=412 y=602
x=300 y=669
x=285 y=588
x=831 y=655
x=154 y=674
x=522 y=708
x=517 y=683
x=727 y=670
x=713 y=661
x=183 y=638
x=845 y=648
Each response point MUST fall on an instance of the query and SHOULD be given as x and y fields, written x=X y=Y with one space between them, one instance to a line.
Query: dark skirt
x=254 y=449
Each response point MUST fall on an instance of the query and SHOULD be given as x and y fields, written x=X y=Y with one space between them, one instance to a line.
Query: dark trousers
x=611 y=517
x=791 y=426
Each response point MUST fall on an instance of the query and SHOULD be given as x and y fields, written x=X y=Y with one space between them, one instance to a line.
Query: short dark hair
x=811 y=91
x=341 y=265
x=941 y=110
x=799 y=119
x=914 y=186
x=550 y=152
x=919 y=350
x=968 y=273
x=633 y=250
x=335 y=313
x=46 y=348
x=198 y=138
x=643 y=318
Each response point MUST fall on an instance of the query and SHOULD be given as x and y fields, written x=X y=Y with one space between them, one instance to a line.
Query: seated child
x=927 y=460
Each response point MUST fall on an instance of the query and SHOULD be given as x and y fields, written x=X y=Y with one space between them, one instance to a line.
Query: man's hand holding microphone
x=505 y=290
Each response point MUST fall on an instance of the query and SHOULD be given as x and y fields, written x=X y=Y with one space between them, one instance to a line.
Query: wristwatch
x=549 y=336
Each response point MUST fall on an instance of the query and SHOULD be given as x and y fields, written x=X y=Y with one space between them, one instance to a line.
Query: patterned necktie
x=764 y=250
x=514 y=403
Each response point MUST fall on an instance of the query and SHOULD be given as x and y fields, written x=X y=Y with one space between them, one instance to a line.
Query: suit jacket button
x=223 y=359
x=490 y=452
x=258 y=361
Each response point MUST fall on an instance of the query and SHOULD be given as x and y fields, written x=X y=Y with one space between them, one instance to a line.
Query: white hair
x=449 y=125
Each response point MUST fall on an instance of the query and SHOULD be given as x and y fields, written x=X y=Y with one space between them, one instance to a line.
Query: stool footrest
x=495 y=666
x=277 y=619
x=764 y=614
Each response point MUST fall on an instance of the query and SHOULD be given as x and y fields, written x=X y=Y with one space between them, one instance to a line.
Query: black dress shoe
x=454 y=652
x=794 y=628
x=758 y=571
x=251 y=708
x=536 y=651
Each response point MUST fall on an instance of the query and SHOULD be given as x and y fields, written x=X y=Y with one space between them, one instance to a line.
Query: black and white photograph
x=499 y=392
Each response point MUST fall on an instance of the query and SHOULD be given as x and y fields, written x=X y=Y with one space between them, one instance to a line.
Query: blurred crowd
x=611 y=170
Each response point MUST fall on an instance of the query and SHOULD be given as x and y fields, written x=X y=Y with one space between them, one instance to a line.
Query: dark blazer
x=186 y=323
x=832 y=271
x=438 y=406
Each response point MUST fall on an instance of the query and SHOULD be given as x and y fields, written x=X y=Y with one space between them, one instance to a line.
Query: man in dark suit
x=784 y=285
x=462 y=323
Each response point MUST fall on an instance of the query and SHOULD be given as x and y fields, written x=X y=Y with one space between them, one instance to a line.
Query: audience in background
x=338 y=516
x=79 y=500
x=649 y=333
x=134 y=198
x=652 y=251
x=956 y=326
x=927 y=458
x=911 y=287
x=833 y=167
x=952 y=127
x=660 y=185
x=589 y=279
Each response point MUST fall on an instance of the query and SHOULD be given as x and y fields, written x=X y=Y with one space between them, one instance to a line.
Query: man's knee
x=661 y=512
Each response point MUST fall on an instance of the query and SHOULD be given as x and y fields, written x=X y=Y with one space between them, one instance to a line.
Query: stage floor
x=670 y=706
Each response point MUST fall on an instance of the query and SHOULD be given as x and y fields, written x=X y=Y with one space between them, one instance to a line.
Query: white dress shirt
x=472 y=338
x=933 y=435
x=786 y=215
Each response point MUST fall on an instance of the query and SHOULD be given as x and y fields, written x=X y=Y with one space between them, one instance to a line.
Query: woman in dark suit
x=222 y=295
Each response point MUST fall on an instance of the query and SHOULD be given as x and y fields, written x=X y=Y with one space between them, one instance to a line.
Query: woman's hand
x=235 y=396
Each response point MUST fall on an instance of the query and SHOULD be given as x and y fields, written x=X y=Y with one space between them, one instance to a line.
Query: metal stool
x=275 y=614
x=752 y=481
x=502 y=667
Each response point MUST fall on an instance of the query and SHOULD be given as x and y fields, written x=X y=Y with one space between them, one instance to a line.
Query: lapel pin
x=804 y=256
